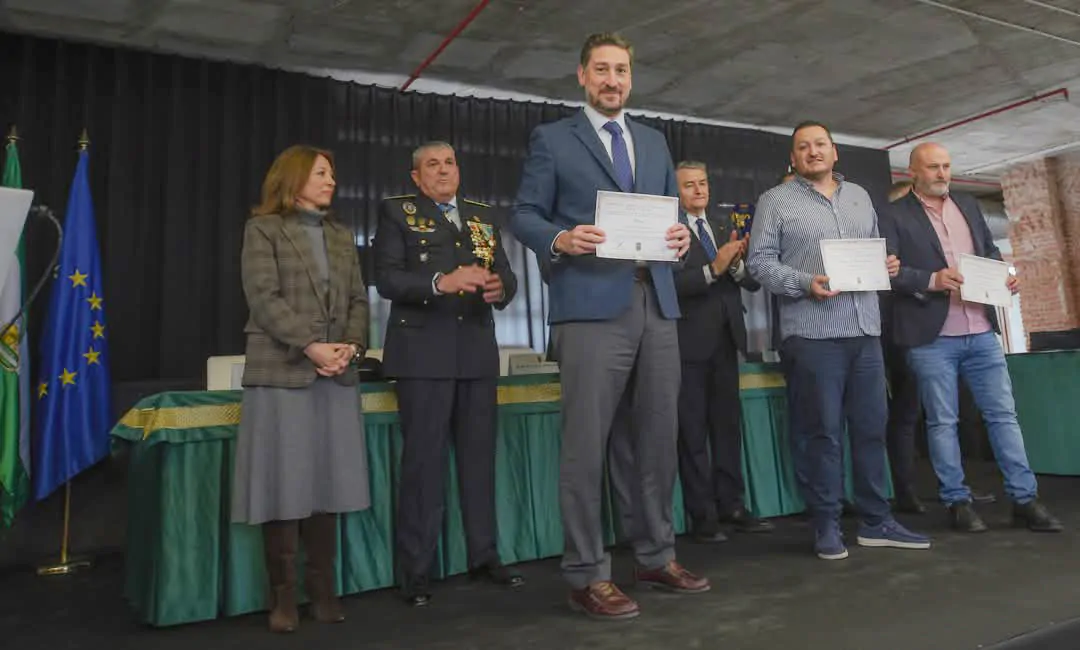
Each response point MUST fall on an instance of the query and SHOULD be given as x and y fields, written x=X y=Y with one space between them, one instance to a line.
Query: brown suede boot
x=319 y=533
x=280 y=540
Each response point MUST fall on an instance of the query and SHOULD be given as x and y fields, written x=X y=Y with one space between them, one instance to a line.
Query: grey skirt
x=299 y=452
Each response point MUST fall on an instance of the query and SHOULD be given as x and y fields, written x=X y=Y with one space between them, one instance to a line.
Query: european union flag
x=72 y=397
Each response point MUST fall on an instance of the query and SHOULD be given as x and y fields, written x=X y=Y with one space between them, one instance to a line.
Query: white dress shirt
x=598 y=120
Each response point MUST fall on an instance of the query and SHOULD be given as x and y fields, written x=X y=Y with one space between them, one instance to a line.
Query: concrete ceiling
x=878 y=71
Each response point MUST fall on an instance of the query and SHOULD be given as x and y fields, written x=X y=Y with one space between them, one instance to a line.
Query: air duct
x=994 y=211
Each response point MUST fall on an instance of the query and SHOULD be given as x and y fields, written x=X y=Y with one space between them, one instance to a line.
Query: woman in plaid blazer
x=301 y=456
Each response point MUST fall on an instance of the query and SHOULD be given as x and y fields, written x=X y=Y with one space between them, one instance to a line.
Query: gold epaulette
x=400 y=196
x=471 y=202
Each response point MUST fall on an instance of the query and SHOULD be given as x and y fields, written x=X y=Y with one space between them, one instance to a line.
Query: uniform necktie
x=446 y=209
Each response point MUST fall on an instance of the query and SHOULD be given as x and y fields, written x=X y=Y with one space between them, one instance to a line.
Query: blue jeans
x=831 y=383
x=979 y=360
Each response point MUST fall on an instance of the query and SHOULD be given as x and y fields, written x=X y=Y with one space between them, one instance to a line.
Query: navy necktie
x=706 y=240
x=620 y=157
x=445 y=208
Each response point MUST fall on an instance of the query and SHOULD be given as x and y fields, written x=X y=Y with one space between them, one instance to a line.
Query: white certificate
x=855 y=264
x=984 y=281
x=635 y=226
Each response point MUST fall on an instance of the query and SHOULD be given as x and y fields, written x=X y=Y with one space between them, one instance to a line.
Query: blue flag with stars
x=72 y=396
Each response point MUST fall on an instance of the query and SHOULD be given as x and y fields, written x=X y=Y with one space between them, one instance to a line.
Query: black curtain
x=180 y=146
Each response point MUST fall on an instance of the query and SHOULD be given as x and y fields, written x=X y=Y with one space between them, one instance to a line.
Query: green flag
x=14 y=374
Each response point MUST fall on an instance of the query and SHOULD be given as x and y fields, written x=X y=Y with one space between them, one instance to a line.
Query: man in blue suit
x=614 y=328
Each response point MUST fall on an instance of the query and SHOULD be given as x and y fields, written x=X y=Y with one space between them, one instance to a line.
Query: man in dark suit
x=948 y=337
x=614 y=328
x=712 y=332
x=904 y=407
x=439 y=260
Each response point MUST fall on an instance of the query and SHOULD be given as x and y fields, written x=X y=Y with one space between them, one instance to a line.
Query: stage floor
x=769 y=591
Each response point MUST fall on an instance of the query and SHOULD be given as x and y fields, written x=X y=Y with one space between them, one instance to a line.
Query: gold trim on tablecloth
x=533 y=394
x=217 y=415
x=761 y=380
x=386 y=401
x=182 y=417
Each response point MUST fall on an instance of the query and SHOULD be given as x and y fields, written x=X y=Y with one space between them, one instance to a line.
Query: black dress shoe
x=963 y=517
x=745 y=522
x=910 y=504
x=498 y=574
x=1036 y=517
x=983 y=498
x=415 y=591
x=706 y=532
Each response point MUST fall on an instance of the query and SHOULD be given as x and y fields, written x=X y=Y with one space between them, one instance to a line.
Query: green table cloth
x=186 y=562
x=1042 y=385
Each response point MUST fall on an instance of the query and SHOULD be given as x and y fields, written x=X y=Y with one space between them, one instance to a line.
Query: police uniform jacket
x=429 y=335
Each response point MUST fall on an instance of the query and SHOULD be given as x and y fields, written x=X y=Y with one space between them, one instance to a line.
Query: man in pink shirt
x=948 y=338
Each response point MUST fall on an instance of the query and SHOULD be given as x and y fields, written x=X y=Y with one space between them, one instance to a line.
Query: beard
x=596 y=102
x=936 y=190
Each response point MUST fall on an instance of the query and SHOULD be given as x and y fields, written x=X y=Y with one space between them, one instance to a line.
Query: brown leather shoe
x=672 y=577
x=603 y=601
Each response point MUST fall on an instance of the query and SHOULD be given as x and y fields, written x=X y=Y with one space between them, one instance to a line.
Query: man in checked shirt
x=831 y=343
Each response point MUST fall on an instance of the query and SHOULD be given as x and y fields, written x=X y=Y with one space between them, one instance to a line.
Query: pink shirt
x=955 y=236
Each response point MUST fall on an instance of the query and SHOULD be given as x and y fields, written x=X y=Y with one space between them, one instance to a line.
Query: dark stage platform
x=1007 y=588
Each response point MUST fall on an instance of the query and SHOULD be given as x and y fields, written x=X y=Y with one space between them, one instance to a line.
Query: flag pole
x=67 y=565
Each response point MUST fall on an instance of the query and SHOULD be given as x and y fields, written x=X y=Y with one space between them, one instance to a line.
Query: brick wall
x=1068 y=183
x=1045 y=237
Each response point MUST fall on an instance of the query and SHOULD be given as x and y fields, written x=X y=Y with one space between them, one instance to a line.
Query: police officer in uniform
x=439 y=260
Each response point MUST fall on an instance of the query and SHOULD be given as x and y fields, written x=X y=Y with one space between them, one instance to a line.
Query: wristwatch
x=358 y=354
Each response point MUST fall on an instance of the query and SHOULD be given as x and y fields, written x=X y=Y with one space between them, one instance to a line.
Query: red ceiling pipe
x=446 y=41
x=981 y=116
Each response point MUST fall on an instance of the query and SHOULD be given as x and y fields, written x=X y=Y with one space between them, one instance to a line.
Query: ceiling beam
x=142 y=20
x=998 y=21
x=5 y=15
x=272 y=52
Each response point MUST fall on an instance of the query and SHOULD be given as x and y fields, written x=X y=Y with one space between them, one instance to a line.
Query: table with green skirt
x=1046 y=387
x=186 y=562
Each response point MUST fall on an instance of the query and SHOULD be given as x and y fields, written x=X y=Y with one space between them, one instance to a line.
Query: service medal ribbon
x=483 y=241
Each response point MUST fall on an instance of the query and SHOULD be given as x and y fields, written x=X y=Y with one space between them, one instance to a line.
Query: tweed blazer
x=288 y=308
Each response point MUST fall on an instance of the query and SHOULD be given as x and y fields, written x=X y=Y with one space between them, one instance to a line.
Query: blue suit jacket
x=918 y=313
x=567 y=164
